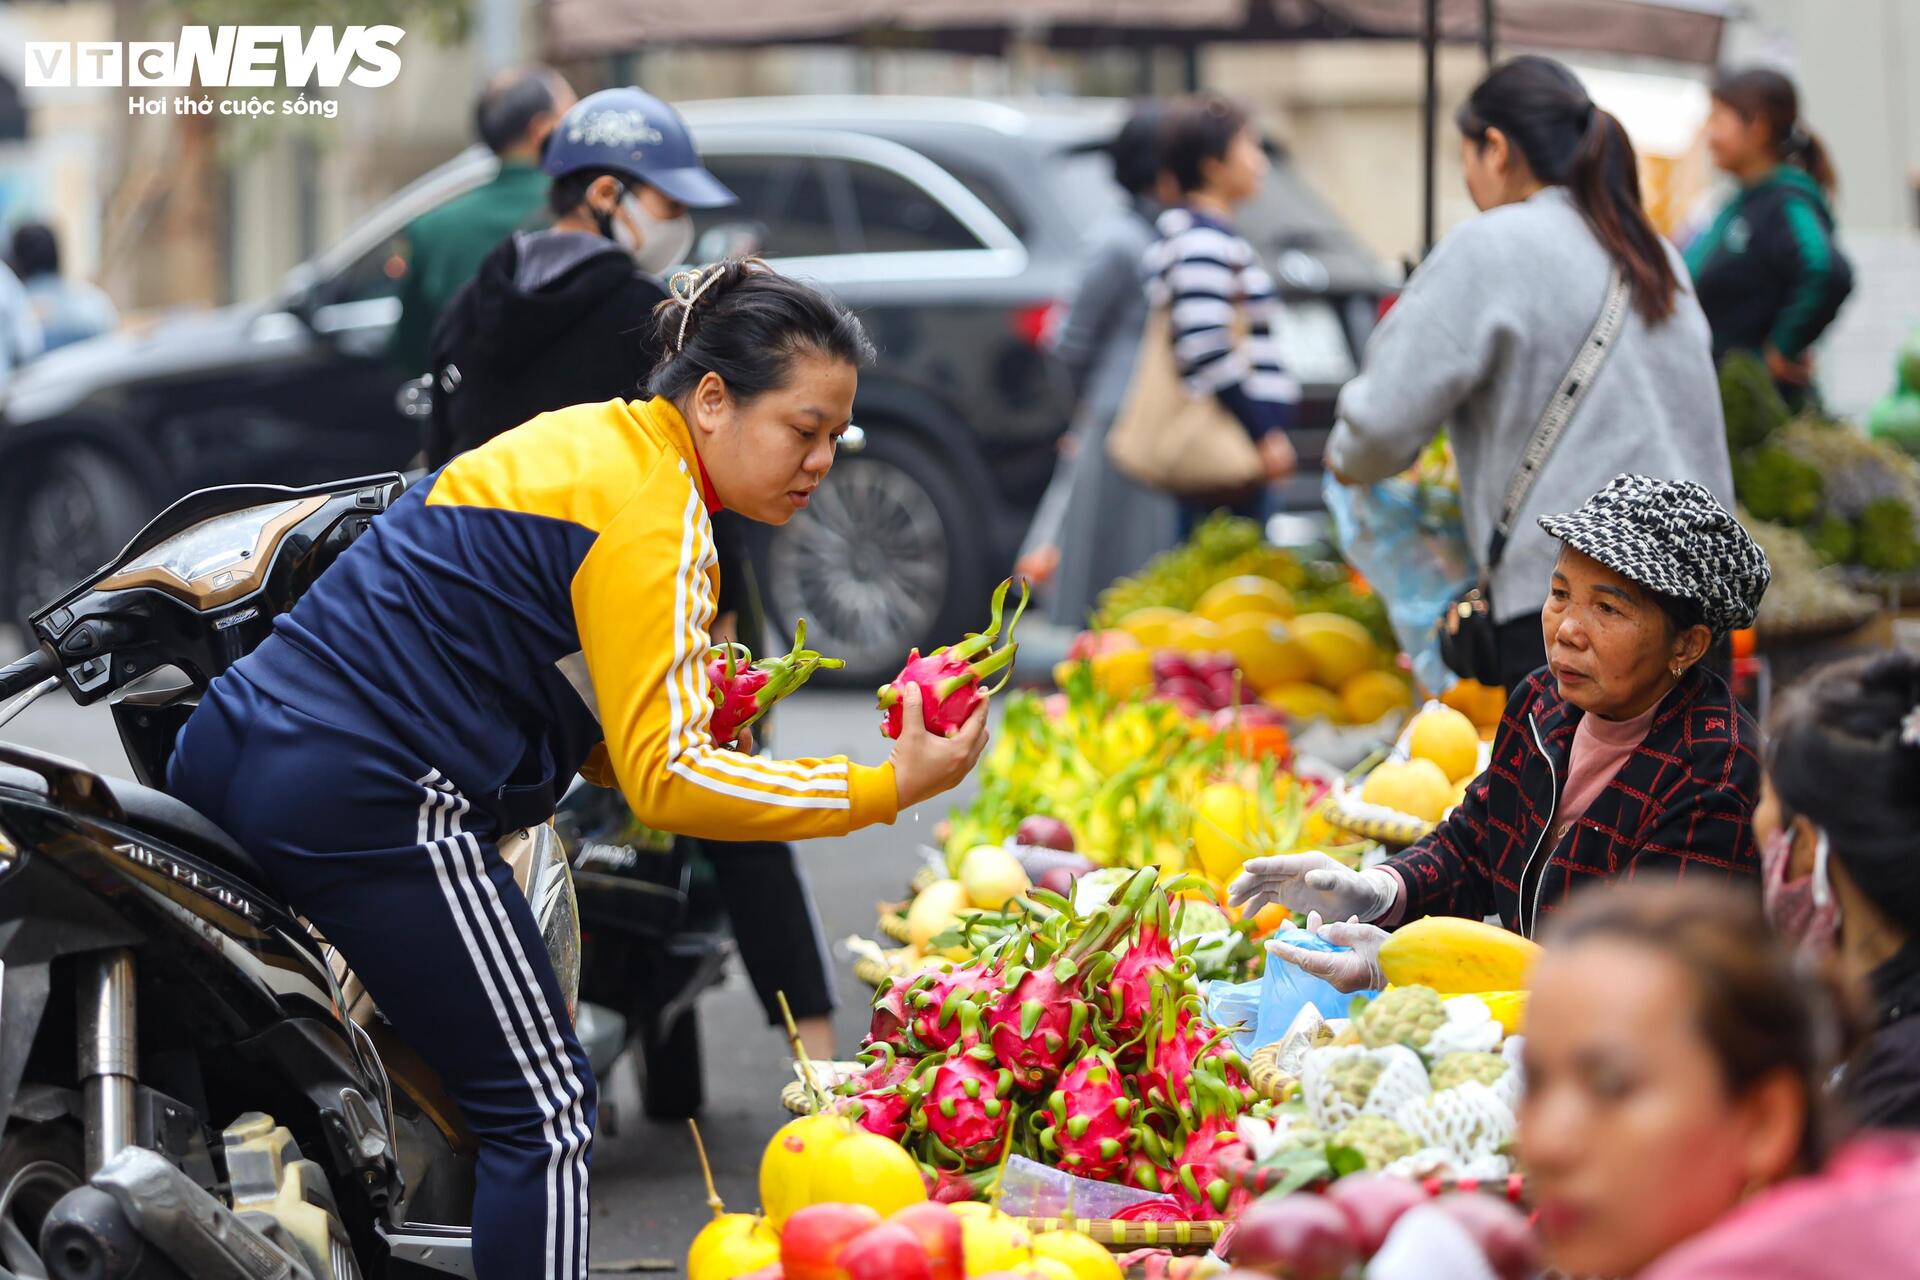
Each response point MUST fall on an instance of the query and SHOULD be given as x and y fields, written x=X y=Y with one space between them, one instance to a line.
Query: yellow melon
x=1448 y=738
x=1265 y=651
x=1417 y=788
x=1304 y=702
x=1245 y=594
x=1339 y=647
x=1373 y=694
x=1194 y=634
x=1152 y=626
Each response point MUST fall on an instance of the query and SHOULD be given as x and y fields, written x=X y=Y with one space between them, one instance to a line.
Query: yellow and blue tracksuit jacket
x=540 y=606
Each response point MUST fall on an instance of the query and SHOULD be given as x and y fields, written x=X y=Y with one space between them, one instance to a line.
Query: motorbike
x=192 y=1082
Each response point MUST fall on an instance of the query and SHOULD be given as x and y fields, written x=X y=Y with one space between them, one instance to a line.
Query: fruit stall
x=1079 y=1062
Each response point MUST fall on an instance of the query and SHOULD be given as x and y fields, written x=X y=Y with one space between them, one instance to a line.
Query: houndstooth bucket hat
x=1673 y=537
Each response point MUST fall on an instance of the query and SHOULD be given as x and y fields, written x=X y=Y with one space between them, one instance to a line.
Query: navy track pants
x=399 y=872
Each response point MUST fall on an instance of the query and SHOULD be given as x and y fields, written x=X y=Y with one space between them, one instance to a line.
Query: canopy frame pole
x=1429 y=123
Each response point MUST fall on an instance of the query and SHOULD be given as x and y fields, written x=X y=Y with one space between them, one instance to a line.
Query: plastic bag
x=1237 y=1004
x=1409 y=542
x=1285 y=989
x=1029 y=1189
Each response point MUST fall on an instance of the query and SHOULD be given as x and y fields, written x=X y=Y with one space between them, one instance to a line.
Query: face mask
x=660 y=245
x=1802 y=911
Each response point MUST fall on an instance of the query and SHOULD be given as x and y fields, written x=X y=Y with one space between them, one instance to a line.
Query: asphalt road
x=648 y=1200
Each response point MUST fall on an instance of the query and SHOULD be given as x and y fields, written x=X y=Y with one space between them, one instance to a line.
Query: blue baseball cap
x=634 y=133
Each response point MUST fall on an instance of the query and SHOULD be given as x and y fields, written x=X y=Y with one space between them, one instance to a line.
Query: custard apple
x=1378 y=1140
x=1458 y=1068
x=1405 y=1015
x=1353 y=1078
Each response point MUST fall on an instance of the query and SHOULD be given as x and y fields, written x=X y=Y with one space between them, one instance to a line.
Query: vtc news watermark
x=238 y=57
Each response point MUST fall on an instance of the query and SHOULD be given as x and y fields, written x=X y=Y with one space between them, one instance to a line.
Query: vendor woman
x=1623 y=757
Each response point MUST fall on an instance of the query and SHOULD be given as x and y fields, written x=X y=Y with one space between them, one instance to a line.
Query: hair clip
x=686 y=288
x=1910 y=728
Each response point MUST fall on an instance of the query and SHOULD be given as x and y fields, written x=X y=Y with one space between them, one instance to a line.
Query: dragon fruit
x=942 y=1010
x=744 y=690
x=965 y=1108
x=1041 y=1019
x=1198 y=1182
x=1148 y=1174
x=949 y=677
x=883 y=1111
x=1129 y=991
x=1091 y=1134
x=890 y=1013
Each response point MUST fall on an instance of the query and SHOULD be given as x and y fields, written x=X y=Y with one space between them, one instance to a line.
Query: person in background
x=67 y=310
x=20 y=338
x=1094 y=523
x=514 y=115
x=1491 y=322
x=1673 y=1125
x=1767 y=270
x=1624 y=759
x=1841 y=873
x=1212 y=281
x=564 y=316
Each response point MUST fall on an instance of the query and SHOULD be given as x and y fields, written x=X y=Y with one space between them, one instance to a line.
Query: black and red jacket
x=1681 y=806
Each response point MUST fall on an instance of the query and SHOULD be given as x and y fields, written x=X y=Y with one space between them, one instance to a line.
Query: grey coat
x=1105 y=525
x=1480 y=339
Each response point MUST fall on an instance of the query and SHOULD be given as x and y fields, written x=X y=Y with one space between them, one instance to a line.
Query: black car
x=955 y=228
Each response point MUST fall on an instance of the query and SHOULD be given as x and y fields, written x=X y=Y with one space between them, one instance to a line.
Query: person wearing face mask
x=541 y=606
x=1840 y=871
x=1625 y=758
x=559 y=316
x=562 y=317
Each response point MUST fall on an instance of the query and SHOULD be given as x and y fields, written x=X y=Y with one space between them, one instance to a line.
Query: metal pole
x=1429 y=124
x=1488 y=45
x=109 y=1063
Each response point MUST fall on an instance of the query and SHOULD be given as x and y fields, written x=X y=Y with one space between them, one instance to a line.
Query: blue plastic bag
x=1285 y=988
x=1236 y=1004
x=1409 y=542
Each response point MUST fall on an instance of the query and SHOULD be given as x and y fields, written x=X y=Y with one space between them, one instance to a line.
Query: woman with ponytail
x=1490 y=324
x=1769 y=274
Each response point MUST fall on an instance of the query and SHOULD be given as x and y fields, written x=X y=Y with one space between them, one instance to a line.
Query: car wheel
x=71 y=512
x=886 y=558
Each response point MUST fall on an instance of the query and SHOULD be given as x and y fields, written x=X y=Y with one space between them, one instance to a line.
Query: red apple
x=1044 y=832
x=1300 y=1236
x=890 y=1251
x=1059 y=880
x=938 y=1229
x=1498 y=1228
x=1171 y=664
x=1373 y=1202
x=814 y=1237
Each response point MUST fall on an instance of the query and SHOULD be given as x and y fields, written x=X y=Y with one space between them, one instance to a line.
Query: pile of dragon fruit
x=1078 y=1040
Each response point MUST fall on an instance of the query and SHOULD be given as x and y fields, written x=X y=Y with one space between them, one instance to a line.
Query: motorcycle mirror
x=853 y=439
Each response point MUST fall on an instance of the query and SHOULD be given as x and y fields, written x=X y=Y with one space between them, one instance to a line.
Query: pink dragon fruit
x=1091 y=1134
x=942 y=1010
x=744 y=690
x=1148 y=1174
x=965 y=1108
x=1199 y=1184
x=890 y=1013
x=883 y=1111
x=1129 y=990
x=1041 y=1019
x=949 y=677
x=1173 y=1062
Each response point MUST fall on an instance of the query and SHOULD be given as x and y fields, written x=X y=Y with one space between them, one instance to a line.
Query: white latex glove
x=1314 y=882
x=1357 y=969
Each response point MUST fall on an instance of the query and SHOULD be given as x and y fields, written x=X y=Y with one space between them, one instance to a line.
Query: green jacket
x=1768 y=272
x=446 y=245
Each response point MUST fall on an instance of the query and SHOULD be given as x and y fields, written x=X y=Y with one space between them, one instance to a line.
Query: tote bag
x=1168 y=438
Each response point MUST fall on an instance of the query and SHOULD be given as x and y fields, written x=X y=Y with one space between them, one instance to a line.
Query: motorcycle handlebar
x=24 y=673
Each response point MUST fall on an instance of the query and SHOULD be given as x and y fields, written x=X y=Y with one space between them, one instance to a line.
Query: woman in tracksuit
x=537 y=607
x=1767 y=270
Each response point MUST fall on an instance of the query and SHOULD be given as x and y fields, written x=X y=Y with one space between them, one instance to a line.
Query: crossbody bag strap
x=1560 y=409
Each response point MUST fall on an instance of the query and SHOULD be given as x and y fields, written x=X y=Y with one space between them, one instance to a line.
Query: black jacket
x=1768 y=272
x=1681 y=806
x=553 y=318
x=1882 y=1083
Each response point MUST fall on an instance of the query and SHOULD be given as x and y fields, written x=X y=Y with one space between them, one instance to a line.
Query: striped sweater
x=1205 y=272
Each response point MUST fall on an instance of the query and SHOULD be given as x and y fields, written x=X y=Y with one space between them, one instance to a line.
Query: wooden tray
x=893 y=923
